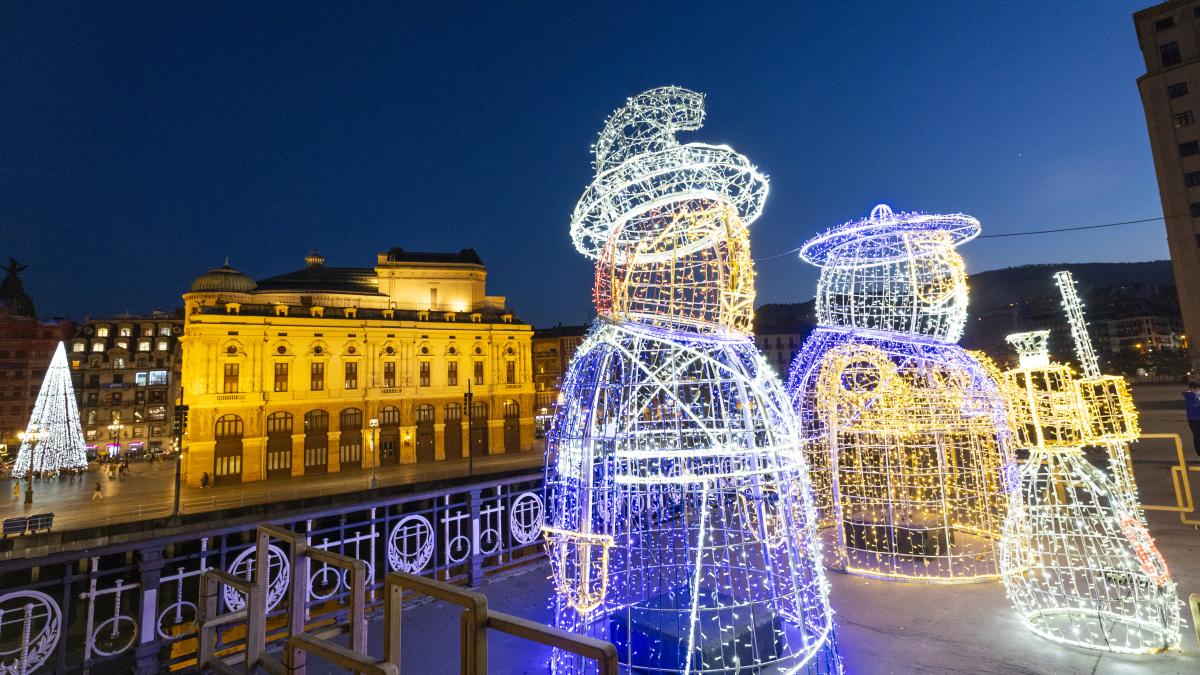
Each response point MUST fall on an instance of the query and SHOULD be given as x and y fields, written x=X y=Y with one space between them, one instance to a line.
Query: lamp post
x=470 y=425
x=374 y=456
x=114 y=432
x=35 y=439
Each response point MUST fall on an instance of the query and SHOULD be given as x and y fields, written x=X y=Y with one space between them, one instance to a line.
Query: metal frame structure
x=1078 y=562
x=906 y=434
x=679 y=518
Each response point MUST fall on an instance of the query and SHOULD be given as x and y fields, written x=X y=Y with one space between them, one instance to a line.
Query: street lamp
x=34 y=438
x=374 y=457
x=114 y=432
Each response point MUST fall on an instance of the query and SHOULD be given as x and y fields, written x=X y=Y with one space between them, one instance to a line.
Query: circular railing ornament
x=410 y=544
x=37 y=621
x=525 y=518
x=278 y=574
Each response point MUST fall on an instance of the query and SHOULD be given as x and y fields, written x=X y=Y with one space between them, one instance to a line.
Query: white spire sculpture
x=679 y=519
x=1078 y=563
x=53 y=440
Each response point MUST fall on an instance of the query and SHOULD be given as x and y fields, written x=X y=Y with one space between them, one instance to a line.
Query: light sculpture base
x=1078 y=564
x=682 y=450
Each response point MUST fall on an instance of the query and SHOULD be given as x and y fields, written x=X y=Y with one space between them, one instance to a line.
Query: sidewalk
x=148 y=491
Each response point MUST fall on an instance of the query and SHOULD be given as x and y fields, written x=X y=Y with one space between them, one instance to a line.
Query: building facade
x=1170 y=90
x=1138 y=332
x=126 y=374
x=553 y=349
x=285 y=376
x=26 y=346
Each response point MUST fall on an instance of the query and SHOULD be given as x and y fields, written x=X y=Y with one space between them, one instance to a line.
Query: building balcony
x=231 y=397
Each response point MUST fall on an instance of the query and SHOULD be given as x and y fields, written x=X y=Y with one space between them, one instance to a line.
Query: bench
x=15 y=526
x=40 y=522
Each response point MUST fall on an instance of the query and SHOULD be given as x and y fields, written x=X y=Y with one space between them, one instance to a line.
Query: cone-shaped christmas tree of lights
x=53 y=440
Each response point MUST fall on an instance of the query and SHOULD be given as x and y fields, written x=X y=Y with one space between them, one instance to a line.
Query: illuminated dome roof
x=223 y=279
x=881 y=237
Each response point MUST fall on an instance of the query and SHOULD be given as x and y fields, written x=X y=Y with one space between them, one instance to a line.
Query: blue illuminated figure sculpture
x=679 y=522
x=906 y=434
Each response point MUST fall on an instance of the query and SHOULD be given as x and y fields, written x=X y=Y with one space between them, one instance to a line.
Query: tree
x=53 y=441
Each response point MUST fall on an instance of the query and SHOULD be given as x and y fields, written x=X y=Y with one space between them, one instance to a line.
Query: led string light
x=907 y=434
x=1078 y=563
x=680 y=525
x=53 y=440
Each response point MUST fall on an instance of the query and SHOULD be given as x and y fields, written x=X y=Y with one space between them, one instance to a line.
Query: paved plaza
x=148 y=491
x=889 y=627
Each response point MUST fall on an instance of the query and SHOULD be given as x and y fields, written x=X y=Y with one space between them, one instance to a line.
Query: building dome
x=223 y=279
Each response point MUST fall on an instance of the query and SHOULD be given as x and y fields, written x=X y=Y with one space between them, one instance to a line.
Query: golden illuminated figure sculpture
x=1078 y=563
x=679 y=521
x=906 y=433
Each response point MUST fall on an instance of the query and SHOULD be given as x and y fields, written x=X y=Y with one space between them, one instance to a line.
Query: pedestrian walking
x=204 y=480
x=97 y=493
x=16 y=489
x=1192 y=398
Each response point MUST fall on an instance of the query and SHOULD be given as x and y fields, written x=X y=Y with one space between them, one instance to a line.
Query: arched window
x=316 y=420
x=350 y=419
x=279 y=444
x=424 y=415
x=389 y=415
x=350 y=443
x=279 y=423
x=227 y=455
x=316 y=442
x=229 y=426
x=478 y=424
x=452 y=438
x=512 y=426
x=389 y=435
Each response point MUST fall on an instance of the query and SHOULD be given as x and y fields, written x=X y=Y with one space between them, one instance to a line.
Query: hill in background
x=1012 y=299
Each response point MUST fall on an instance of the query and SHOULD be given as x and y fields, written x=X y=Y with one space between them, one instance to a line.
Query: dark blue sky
x=141 y=144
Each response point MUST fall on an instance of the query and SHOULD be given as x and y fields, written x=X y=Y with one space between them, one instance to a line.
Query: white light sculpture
x=906 y=433
x=53 y=439
x=1118 y=455
x=1078 y=563
x=679 y=522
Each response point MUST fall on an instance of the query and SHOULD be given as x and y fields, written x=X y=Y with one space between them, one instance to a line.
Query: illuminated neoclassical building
x=282 y=376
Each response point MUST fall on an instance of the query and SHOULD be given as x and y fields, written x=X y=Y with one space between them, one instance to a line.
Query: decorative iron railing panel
x=132 y=607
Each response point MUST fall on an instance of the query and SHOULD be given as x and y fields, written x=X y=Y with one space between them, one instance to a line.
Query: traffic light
x=181 y=420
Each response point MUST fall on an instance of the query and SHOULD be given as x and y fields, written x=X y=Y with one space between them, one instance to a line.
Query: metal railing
x=211 y=619
x=131 y=606
x=475 y=622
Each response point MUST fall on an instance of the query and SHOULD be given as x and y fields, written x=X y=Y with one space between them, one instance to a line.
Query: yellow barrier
x=1184 y=503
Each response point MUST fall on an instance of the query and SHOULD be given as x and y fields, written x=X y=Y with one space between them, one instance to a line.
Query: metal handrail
x=476 y=620
x=300 y=643
x=210 y=619
x=1194 y=603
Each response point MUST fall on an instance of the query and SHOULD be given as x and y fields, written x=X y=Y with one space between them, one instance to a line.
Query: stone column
x=297 y=455
x=335 y=451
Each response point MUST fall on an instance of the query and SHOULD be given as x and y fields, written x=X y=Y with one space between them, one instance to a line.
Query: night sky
x=141 y=144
